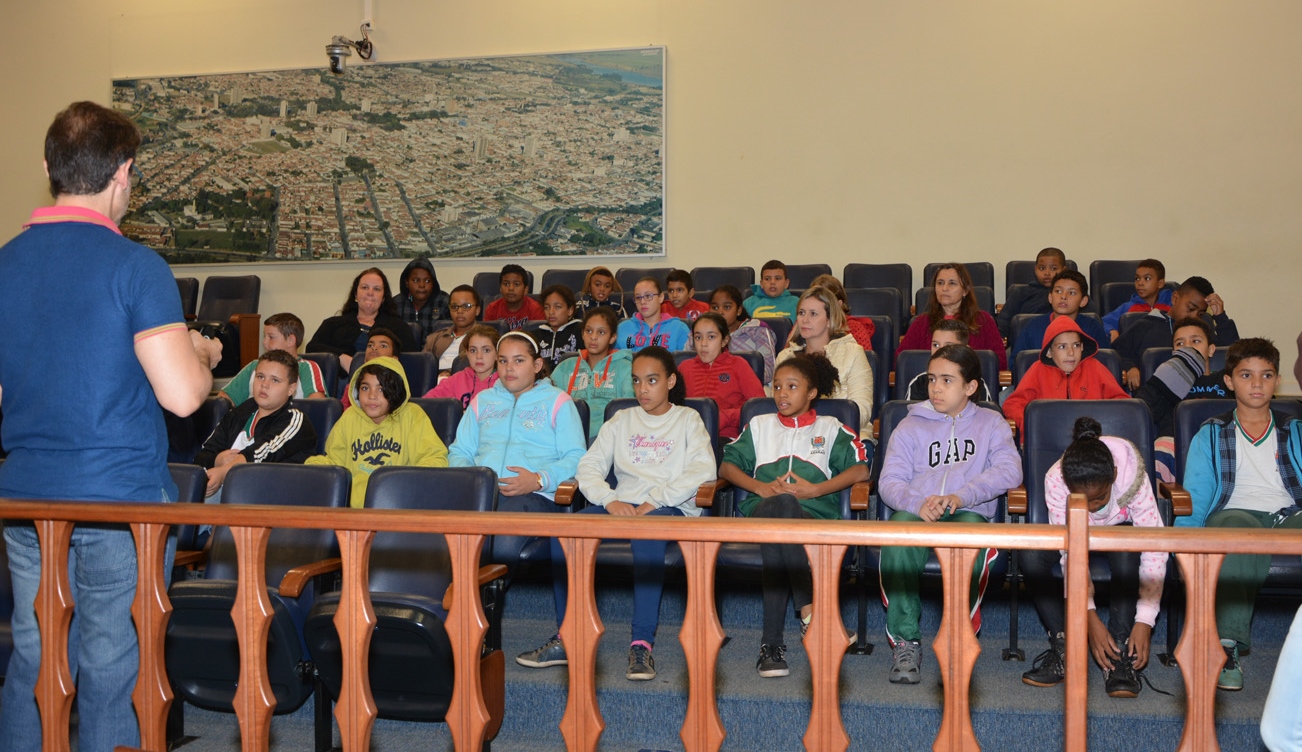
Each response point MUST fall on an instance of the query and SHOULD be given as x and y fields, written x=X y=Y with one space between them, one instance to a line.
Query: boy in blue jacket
x=1243 y=471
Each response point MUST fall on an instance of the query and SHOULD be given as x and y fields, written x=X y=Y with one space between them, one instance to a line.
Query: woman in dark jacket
x=369 y=304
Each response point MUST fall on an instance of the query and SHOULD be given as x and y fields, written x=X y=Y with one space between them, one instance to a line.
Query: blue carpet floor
x=770 y=714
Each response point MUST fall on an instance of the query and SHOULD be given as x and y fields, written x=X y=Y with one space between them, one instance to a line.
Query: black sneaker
x=1123 y=679
x=1049 y=667
x=641 y=666
x=772 y=661
x=552 y=653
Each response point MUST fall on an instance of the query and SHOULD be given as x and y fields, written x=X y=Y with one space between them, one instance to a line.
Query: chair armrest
x=1017 y=500
x=250 y=335
x=190 y=558
x=566 y=491
x=890 y=379
x=292 y=584
x=1181 y=501
x=877 y=428
x=1005 y=378
x=487 y=574
x=708 y=490
x=861 y=496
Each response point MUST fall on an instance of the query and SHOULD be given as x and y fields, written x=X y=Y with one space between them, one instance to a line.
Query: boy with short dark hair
x=1069 y=292
x=680 y=303
x=515 y=307
x=770 y=299
x=1193 y=298
x=1243 y=471
x=262 y=428
x=1150 y=295
x=1067 y=369
x=284 y=332
x=1033 y=298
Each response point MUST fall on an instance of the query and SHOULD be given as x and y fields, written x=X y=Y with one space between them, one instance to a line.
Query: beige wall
x=830 y=131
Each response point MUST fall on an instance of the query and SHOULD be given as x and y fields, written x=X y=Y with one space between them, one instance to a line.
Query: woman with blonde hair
x=821 y=330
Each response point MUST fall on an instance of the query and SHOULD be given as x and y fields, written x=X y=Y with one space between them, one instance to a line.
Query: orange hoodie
x=1044 y=380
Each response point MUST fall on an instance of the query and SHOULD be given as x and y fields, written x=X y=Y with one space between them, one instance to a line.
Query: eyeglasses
x=648 y=296
x=137 y=177
x=461 y=306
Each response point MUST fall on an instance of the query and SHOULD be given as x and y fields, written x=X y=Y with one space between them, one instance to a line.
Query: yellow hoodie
x=403 y=437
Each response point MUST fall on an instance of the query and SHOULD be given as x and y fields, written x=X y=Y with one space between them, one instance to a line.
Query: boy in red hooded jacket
x=1067 y=369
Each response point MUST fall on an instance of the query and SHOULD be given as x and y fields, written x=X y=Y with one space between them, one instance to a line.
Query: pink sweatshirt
x=1132 y=501
x=462 y=385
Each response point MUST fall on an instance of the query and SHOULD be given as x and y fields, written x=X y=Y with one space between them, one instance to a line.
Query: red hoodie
x=1044 y=380
x=729 y=381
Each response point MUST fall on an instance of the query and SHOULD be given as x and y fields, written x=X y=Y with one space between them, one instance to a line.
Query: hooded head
x=430 y=290
x=1065 y=346
x=379 y=388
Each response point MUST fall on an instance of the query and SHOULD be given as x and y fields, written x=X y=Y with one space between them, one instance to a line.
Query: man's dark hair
x=1074 y=276
x=1251 y=347
x=772 y=264
x=1196 y=284
x=288 y=325
x=1153 y=264
x=286 y=359
x=514 y=269
x=1192 y=321
x=679 y=275
x=84 y=146
x=479 y=303
x=1055 y=252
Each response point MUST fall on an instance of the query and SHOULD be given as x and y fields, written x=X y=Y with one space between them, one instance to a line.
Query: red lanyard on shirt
x=596 y=381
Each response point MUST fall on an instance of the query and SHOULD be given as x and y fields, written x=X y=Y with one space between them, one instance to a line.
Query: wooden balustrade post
x=956 y=649
x=151 y=609
x=54 y=688
x=355 y=621
x=581 y=726
x=1077 y=576
x=468 y=714
x=252 y=614
x=825 y=644
x=701 y=638
x=1199 y=652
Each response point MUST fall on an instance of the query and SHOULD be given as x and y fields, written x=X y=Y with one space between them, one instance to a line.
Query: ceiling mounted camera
x=340 y=49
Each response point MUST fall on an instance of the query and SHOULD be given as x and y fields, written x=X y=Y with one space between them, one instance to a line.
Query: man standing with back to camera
x=81 y=384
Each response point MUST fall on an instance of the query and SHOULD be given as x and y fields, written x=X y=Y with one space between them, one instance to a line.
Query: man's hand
x=1215 y=306
x=621 y=508
x=208 y=350
x=798 y=486
x=1131 y=378
x=226 y=457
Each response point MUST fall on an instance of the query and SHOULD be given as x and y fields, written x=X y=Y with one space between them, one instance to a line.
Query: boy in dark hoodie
x=1033 y=298
x=420 y=300
x=1066 y=369
x=1187 y=375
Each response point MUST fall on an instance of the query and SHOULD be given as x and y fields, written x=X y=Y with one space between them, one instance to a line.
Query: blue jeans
x=1281 y=724
x=103 y=653
x=648 y=578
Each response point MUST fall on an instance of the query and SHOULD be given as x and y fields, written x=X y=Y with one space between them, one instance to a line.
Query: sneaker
x=1232 y=675
x=1122 y=680
x=641 y=666
x=772 y=661
x=850 y=635
x=550 y=654
x=1050 y=667
x=906 y=658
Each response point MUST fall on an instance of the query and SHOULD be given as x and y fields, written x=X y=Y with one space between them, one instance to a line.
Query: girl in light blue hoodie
x=524 y=429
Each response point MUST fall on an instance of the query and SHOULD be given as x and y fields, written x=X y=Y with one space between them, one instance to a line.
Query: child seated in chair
x=947 y=461
x=1243 y=471
x=947 y=332
x=381 y=428
x=514 y=307
x=1032 y=298
x=262 y=428
x=1069 y=293
x=1150 y=295
x=281 y=331
x=380 y=343
x=1187 y=375
x=599 y=373
x=793 y=465
x=660 y=454
x=1110 y=472
x=525 y=430
x=479 y=348
x=718 y=374
x=1067 y=369
x=600 y=288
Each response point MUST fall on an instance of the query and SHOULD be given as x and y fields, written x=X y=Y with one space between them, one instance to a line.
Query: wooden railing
x=1199 y=552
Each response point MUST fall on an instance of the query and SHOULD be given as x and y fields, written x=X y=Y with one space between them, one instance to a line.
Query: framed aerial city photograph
x=532 y=155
